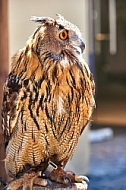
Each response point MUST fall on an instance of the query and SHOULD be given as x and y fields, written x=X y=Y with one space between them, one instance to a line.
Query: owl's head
x=57 y=38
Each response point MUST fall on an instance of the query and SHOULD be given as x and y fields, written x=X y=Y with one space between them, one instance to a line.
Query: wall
x=20 y=28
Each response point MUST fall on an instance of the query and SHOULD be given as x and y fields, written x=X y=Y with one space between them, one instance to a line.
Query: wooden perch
x=56 y=186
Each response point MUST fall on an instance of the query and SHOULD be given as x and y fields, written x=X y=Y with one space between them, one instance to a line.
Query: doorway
x=110 y=65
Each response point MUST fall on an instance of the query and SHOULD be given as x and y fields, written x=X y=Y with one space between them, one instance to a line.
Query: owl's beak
x=82 y=46
x=79 y=46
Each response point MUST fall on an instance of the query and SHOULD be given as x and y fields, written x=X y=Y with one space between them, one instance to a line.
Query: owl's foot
x=27 y=181
x=67 y=177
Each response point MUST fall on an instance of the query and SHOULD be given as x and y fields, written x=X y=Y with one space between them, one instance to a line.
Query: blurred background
x=101 y=151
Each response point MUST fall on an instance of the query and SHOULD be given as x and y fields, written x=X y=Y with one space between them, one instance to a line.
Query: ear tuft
x=60 y=17
x=42 y=20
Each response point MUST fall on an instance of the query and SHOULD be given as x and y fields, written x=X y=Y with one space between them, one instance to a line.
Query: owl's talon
x=67 y=180
x=67 y=177
x=80 y=178
x=77 y=178
x=14 y=184
x=27 y=181
x=85 y=179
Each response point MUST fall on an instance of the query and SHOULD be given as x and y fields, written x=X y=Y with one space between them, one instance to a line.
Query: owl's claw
x=60 y=176
x=27 y=181
x=14 y=184
x=83 y=179
x=67 y=180
x=77 y=178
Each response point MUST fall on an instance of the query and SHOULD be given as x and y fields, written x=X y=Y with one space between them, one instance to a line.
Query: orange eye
x=63 y=35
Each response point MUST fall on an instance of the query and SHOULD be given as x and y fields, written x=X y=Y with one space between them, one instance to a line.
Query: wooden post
x=56 y=186
x=3 y=70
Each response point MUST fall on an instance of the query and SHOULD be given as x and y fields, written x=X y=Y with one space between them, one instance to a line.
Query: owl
x=48 y=99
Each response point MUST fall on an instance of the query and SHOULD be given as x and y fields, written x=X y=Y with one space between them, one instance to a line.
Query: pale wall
x=20 y=28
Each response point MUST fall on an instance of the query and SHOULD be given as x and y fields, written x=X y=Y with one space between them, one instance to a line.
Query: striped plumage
x=48 y=98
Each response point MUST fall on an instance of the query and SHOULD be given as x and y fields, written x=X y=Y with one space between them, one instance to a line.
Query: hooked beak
x=82 y=46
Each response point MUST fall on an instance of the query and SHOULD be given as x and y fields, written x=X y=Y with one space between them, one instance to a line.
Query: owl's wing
x=90 y=78
x=90 y=81
x=10 y=106
x=89 y=92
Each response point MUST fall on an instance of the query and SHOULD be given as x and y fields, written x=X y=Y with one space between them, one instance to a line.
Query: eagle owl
x=48 y=100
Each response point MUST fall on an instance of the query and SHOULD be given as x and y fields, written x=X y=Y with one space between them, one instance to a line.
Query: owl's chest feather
x=54 y=110
x=59 y=100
